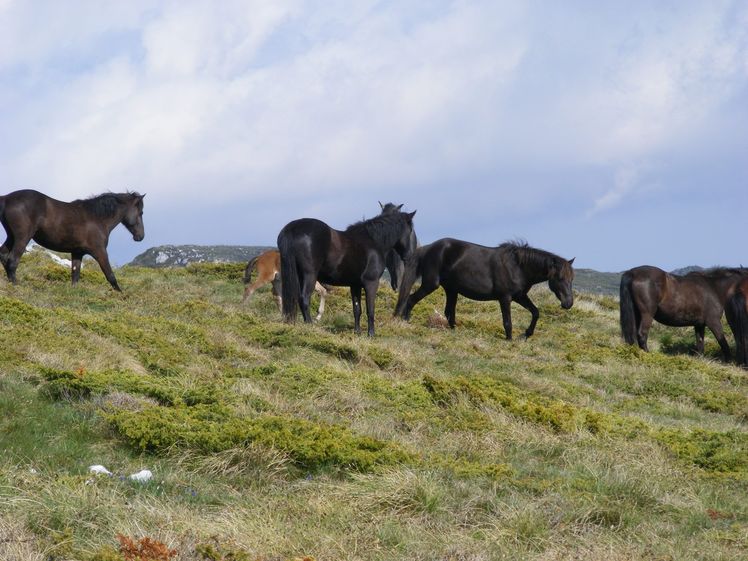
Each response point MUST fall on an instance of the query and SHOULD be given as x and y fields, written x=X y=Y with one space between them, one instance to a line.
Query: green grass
x=275 y=441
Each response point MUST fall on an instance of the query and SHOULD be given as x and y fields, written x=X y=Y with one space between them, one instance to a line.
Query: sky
x=613 y=132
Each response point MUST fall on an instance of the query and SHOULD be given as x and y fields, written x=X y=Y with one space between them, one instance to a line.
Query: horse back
x=309 y=239
x=476 y=271
x=674 y=300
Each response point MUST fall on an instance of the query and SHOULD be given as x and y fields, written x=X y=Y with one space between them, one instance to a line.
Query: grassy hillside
x=269 y=441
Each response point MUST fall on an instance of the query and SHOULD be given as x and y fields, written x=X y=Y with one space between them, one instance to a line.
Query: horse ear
x=381 y=206
x=411 y=214
x=571 y=260
x=400 y=206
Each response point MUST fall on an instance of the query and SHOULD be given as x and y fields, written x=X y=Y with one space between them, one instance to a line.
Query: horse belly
x=469 y=287
x=63 y=243
x=682 y=319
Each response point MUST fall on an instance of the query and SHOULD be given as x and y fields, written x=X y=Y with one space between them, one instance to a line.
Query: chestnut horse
x=81 y=227
x=268 y=271
x=736 y=311
x=504 y=273
x=697 y=299
x=311 y=250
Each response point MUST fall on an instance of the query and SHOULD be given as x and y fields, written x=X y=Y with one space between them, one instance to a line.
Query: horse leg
x=356 y=301
x=75 y=267
x=428 y=285
x=716 y=328
x=450 y=308
x=505 y=302
x=307 y=286
x=370 y=289
x=250 y=289
x=642 y=331
x=528 y=305
x=322 y=291
x=5 y=249
x=699 y=331
x=14 y=257
x=276 y=290
x=103 y=260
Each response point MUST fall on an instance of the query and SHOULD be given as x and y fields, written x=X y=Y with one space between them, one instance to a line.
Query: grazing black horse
x=736 y=311
x=311 y=250
x=80 y=227
x=698 y=299
x=502 y=273
x=392 y=261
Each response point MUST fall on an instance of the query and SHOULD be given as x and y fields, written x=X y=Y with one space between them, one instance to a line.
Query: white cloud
x=258 y=99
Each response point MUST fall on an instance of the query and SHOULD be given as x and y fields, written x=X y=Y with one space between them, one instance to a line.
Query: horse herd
x=311 y=254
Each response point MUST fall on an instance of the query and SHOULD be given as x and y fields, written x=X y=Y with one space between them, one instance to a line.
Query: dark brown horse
x=311 y=250
x=736 y=311
x=267 y=265
x=81 y=227
x=697 y=299
x=392 y=261
x=504 y=273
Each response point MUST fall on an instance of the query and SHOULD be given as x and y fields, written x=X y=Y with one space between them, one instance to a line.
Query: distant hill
x=595 y=282
x=686 y=270
x=182 y=255
x=585 y=280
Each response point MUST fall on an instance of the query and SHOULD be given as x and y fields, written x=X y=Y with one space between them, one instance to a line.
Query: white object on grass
x=142 y=476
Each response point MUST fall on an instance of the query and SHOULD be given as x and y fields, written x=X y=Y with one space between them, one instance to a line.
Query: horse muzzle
x=138 y=237
x=567 y=304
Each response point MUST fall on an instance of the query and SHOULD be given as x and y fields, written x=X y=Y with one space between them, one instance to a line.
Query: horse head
x=560 y=277
x=133 y=217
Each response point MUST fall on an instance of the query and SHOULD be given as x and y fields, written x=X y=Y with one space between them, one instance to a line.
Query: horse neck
x=536 y=266
x=111 y=222
x=725 y=286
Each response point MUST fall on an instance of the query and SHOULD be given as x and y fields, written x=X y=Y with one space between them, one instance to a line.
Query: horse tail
x=738 y=315
x=628 y=313
x=411 y=272
x=250 y=267
x=290 y=287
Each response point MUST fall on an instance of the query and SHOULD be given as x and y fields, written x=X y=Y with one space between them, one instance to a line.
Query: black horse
x=502 y=273
x=392 y=261
x=311 y=250
x=736 y=311
x=81 y=227
x=697 y=299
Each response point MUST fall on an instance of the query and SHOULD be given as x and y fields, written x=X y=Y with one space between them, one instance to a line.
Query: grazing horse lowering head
x=560 y=279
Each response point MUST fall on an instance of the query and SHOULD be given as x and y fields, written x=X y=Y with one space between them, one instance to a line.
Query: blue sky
x=616 y=132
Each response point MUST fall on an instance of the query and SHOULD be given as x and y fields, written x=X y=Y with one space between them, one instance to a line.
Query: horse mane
x=106 y=204
x=384 y=229
x=718 y=272
x=531 y=256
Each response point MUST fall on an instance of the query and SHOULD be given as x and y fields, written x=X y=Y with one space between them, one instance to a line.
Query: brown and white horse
x=268 y=271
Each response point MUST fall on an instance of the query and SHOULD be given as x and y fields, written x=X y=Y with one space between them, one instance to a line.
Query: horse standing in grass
x=697 y=299
x=504 y=273
x=393 y=263
x=268 y=271
x=736 y=311
x=81 y=227
x=310 y=250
